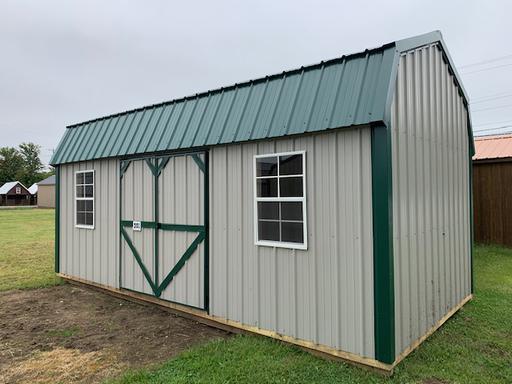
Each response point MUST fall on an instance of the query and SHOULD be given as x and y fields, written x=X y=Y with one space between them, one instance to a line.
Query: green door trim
x=156 y=165
x=382 y=207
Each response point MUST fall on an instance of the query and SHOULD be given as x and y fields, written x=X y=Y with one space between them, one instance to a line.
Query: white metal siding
x=91 y=254
x=431 y=221
x=324 y=294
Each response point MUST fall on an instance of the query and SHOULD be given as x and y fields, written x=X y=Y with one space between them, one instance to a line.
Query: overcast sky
x=62 y=62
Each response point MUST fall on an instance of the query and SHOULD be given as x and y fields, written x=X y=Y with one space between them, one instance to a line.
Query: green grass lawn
x=475 y=346
x=26 y=248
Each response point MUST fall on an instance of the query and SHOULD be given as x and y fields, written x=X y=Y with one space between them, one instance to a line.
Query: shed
x=327 y=206
x=14 y=193
x=46 y=192
x=492 y=185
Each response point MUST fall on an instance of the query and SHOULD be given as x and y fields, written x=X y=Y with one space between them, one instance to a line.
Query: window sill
x=84 y=226
x=278 y=244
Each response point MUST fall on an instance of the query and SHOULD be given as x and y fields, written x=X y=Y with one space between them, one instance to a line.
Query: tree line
x=22 y=164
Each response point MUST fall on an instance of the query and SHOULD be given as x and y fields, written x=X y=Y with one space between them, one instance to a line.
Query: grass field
x=475 y=346
x=26 y=248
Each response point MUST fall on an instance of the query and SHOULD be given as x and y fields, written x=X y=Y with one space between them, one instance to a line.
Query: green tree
x=30 y=171
x=11 y=162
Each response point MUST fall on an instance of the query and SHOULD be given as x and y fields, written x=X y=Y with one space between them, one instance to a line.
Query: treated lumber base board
x=236 y=327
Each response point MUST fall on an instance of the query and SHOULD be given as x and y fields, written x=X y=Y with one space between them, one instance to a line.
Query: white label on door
x=137 y=226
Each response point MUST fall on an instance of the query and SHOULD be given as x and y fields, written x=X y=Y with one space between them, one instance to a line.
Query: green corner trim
x=151 y=166
x=57 y=219
x=124 y=166
x=163 y=163
x=199 y=162
x=382 y=198
x=206 y=208
x=471 y=213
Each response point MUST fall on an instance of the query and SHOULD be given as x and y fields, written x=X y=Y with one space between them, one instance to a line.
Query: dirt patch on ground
x=80 y=335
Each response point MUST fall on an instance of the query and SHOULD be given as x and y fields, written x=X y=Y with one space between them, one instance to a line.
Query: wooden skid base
x=237 y=327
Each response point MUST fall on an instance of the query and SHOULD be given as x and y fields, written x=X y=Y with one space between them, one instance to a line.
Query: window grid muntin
x=84 y=212
x=279 y=199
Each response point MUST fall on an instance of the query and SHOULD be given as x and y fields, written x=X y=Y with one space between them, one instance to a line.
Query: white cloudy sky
x=63 y=62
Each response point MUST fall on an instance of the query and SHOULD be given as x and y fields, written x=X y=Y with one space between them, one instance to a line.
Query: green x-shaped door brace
x=157 y=165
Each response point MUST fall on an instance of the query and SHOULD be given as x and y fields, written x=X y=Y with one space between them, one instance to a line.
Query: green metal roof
x=348 y=91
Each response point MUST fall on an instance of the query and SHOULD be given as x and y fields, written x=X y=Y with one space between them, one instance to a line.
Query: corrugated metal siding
x=91 y=254
x=342 y=92
x=137 y=205
x=324 y=294
x=431 y=217
x=181 y=189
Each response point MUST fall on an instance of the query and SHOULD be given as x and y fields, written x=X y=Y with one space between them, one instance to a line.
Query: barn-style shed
x=327 y=206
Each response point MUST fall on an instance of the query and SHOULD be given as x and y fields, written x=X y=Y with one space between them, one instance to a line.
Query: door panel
x=167 y=257
x=137 y=205
x=181 y=192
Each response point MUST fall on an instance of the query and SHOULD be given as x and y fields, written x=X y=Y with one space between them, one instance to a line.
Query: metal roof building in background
x=493 y=147
x=492 y=186
x=314 y=206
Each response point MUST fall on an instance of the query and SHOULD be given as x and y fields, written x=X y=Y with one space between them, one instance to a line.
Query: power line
x=485 y=100
x=488 y=109
x=485 y=61
x=492 y=129
x=486 y=69
x=492 y=123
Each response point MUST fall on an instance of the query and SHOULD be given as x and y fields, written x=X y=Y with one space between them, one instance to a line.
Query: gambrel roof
x=351 y=90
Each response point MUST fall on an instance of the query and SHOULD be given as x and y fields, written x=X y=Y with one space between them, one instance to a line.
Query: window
x=84 y=199
x=280 y=200
x=18 y=190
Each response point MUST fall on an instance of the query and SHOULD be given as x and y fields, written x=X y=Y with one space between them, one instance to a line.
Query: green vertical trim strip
x=382 y=203
x=471 y=234
x=155 y=217
x=57 y=220
x=122 y=169
x=206 y=268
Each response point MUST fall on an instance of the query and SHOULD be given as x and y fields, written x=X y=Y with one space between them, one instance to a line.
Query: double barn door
x=164 y=227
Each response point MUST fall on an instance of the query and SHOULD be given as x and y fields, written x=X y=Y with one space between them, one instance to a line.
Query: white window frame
x=83 y=226
x=303 y=200
x=18 y=190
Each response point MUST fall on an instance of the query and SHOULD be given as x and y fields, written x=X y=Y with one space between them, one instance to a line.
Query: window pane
x=88 y=205
x=80 y=205
x=291 y=211
x=80 y=191
x=266 y=166
x=292 y=232
x=79 y=178
x=268 y=210
x=290 y=165
x=80 y=218
x=267 y=187
x=268 y=230
x=88 y=191
x=291 y=186
x=88 y=178
x=88 y=218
